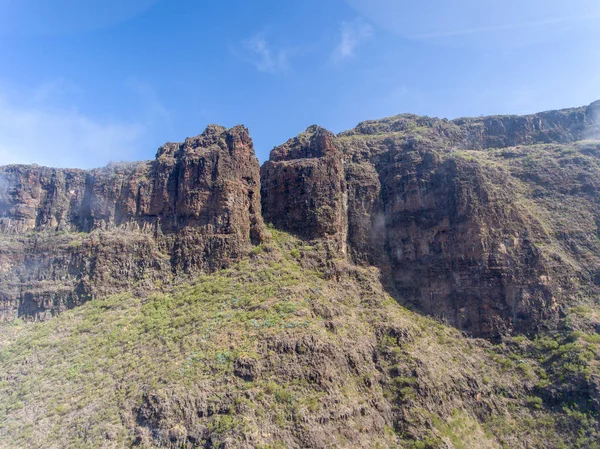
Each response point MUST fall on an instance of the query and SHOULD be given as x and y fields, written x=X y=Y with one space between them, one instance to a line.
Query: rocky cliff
x=71 y=235
x=456 y=214
x=186 y=322
x=445 y=209
x=303 y=187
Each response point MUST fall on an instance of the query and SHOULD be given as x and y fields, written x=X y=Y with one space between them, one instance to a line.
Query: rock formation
x=70 y=235
x=453 y=233
x=315 y=334
x=303 y=187
x=456 y=226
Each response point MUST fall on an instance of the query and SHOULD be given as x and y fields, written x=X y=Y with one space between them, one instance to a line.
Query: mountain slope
x=285 y=349
x=420 y=283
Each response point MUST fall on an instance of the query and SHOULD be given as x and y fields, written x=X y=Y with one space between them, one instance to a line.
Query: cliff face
x=70 y=235
x=303 y=188
x=454 y=224
x=489 y=224
x=564 y=126
x=458 y=215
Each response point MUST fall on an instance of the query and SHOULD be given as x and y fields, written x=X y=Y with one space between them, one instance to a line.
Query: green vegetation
x=269 y=350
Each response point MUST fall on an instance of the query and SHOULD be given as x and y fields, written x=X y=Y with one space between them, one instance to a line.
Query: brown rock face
x=564 y=126
x=69 y=235
x=303 y=189
x=458 y=233
x=470 y=220
x=458 y=246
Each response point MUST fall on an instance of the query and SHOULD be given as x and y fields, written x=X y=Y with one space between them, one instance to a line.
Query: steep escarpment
x=69 y=235
x=303 y=188
x=456 y=230
x=456 y=226
x=338 y=324
x=564 y=126
x=476 y=133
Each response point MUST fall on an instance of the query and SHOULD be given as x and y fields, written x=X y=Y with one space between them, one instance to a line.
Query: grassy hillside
x=286 y=350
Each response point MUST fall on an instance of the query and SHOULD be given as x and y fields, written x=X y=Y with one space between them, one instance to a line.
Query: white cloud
x=259 y=53
x=37 y=128
x=352 y=35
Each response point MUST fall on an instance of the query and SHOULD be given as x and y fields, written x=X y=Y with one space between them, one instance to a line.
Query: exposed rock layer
x=303 y=187
x=455 y=231
x=456 y=226
x=70 y=235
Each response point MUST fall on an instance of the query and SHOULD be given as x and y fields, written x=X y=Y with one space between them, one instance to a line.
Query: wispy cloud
x=352 y=35
x=154 y=112
x=259 y=52
x=509 y=26
x=38 y=128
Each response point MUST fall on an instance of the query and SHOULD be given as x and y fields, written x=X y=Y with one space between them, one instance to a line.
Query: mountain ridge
x=413 y=283
x=317 y=185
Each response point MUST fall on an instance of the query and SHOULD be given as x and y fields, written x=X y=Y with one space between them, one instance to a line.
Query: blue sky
x=83 y=83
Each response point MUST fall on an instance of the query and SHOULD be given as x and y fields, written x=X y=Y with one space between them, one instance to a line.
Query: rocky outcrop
x=455 y=234
x=458 y=246
x=564 y=126
x=460 y=216
x=207 y=181
x=69 y=235
x=303 y=188
x=499 y=131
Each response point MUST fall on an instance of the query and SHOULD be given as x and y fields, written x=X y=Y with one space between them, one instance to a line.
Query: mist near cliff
x=6 y=186
x=43 y=126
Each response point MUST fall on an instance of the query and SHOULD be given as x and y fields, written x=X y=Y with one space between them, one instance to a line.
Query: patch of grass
x=270 y=343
